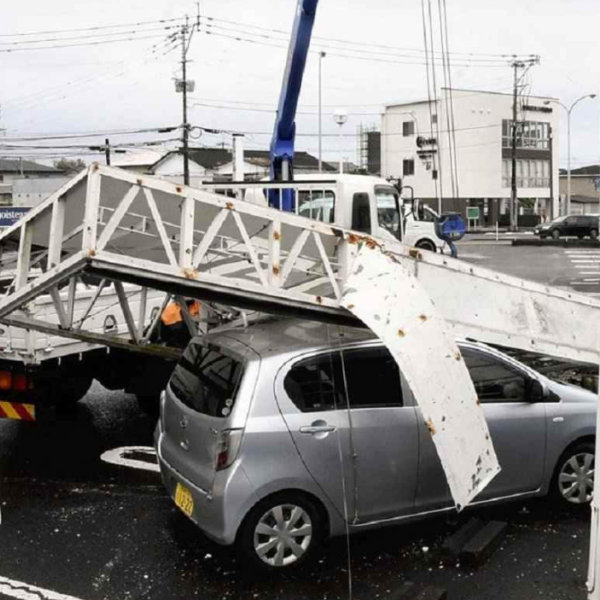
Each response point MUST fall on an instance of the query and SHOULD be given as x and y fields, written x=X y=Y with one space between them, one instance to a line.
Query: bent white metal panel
x=383 y=293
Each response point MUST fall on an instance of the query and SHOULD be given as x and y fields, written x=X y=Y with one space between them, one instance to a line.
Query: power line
x=95 y=28
x=353 y=42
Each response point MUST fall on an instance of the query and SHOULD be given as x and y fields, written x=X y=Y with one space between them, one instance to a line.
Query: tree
x=70 y=166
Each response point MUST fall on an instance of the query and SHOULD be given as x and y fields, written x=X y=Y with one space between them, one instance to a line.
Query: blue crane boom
x=284 y=132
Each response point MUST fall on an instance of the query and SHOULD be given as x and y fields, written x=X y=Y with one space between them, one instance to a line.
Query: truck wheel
x=149 y=404
x=426 y=245
x=71 y=389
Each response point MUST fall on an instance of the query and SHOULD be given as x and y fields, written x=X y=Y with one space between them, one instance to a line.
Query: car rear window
x=207 y=380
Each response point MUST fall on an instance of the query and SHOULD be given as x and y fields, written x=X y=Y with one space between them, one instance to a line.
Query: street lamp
x=341 y=117
x=569 y=109
x=322 y=55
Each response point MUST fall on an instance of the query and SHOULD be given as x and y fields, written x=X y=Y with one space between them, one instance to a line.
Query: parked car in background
x=569 y=226
x=260 y=428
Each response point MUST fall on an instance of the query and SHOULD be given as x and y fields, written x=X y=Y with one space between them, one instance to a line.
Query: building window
x=408 y=167
x=531 y=135
x=530 y=173
x=434 y=119
x=408 y=128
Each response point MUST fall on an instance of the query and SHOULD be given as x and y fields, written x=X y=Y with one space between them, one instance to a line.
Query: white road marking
x=589 y=272
x=591 y=279
x=24 y=591
x=123 y=457
x=585 y=283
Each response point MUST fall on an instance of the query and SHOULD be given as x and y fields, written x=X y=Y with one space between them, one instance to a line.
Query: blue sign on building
x=9 y=215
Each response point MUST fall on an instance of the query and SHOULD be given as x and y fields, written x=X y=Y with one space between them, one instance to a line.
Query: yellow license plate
x=184 y=500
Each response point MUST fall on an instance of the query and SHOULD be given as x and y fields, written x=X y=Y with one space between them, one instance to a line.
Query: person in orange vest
x=173 y=329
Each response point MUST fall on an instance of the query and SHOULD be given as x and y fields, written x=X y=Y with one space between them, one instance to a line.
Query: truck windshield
x=388 y=209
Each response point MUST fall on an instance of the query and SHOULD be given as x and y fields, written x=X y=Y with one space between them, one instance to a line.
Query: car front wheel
x=426 y=245
x=555 y=234
x=594 y=234
x=573 y=482
x=280 y=533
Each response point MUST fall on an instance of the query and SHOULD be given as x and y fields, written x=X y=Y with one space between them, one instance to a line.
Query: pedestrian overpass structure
x=109 y=227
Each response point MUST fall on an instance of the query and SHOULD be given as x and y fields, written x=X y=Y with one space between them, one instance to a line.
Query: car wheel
x=580 y=237
x=573 y=481
x=555 y=234
x=280 y=533
x=426 y=245
x=594 y=234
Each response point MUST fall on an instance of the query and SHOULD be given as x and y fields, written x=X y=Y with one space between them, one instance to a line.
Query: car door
x=309 y=392
x=384 y=434
x=517 y=427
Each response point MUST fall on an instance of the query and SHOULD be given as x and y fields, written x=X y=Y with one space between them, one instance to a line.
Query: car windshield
x=559 y=219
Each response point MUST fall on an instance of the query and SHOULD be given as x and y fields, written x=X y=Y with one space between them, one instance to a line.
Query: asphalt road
x=77 y=526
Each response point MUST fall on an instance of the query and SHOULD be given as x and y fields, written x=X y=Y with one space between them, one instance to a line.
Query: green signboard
x=473 y=213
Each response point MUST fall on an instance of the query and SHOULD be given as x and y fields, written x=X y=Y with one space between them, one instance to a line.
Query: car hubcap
x=283 y=535
x=576 y=478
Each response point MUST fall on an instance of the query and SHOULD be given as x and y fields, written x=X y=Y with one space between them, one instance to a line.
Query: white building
x=415 y=142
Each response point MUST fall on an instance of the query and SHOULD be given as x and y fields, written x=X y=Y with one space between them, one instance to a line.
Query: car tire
x=573 y=481
x=263 y=542
x=580 y=237
x=594 y=234
x=71 y=389
x=426 y=245
x=555 y=234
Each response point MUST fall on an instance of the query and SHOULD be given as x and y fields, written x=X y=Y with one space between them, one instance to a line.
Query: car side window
x=372 y=378
x=494 y=380
x=316 y=384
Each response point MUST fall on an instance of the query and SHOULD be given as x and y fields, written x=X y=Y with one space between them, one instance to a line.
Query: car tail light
x=5 y=380
x=228 y=446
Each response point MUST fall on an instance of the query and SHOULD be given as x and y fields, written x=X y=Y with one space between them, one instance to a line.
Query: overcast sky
x=129 y=85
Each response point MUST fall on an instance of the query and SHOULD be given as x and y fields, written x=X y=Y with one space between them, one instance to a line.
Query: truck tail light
x=20 y=382
x=5 y=380
x=228 y=446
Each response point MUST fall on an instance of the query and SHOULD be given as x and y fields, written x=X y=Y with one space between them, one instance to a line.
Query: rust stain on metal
x=229 y=205
x=190 y=273
x=457 y=356
x=401 y=333
x=371 y=243
x=423 y=318
x=139 y=182
x=276 y=270
x=353 y=238
x=430 y=427
x=91 y=253
x=319 y=300
x=350 y=306
x=414 y=253
x=179 y=189
x=276 y=236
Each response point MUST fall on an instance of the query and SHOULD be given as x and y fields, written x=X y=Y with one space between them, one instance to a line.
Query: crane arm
x=284 y=133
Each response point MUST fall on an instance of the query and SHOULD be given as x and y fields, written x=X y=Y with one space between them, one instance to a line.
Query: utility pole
x=514 y=202
x=322 y=55
x=107 y=150
x=186 y=131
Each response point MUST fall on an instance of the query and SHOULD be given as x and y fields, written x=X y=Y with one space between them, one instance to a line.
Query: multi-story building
x=419 y=140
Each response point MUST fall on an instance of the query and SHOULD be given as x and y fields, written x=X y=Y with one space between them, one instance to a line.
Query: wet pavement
x=75 y=525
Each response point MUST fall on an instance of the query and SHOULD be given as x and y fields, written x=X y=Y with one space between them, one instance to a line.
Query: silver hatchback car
x=278 y=435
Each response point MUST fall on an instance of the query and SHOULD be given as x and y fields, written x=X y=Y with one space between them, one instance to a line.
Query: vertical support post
x=186 y=233
x=142 y=313
x=594 y=558
x=71 y=300
x=274 y=275
x=92 y=204
x=24 y=256
x=568 y=207
x=124 y=302
x=57 y=227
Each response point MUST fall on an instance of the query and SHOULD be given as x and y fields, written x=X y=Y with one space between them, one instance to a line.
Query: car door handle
x=317 y=429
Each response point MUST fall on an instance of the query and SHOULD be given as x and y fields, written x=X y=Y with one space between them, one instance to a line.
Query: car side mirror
x=537 y=391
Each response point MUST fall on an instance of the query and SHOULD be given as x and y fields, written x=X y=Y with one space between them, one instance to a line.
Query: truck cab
x=368 y=204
